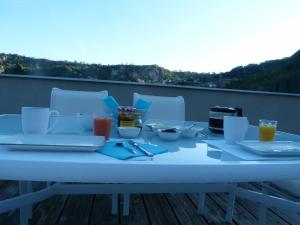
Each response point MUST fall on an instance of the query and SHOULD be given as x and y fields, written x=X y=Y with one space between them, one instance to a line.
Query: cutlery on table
x=122 y=144
x=191 y=126
x=145 y=151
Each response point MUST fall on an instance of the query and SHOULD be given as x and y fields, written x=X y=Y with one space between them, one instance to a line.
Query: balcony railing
x=19 y=90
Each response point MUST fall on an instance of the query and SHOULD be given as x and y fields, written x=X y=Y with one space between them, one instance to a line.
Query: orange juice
x=267 y=133
x=102 y=127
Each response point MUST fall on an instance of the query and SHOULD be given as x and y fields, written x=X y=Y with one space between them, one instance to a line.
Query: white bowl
x=189 y=133
x=168 y=136
x=129 y=132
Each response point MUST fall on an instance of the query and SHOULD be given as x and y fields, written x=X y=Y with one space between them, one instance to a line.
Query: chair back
x=69 y=102
x=162 y=107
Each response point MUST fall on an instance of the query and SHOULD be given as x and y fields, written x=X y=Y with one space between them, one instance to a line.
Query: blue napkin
x=119 y=152
x=142 y=104
x=111 y=103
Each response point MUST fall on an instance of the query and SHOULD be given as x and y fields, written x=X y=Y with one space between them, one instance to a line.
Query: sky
x=187 y=35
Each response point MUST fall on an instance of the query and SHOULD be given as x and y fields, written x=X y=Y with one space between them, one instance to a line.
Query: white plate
x=52 y=142
x=273 y=148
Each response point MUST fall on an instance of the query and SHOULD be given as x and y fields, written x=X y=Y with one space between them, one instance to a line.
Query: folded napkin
x=142 y=104
x=112 y=105
x=120 y=152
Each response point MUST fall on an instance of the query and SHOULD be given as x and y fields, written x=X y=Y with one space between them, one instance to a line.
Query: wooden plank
x=77 y=210
x=287 y=216
x=145 y=209
x=9 y=189
x=137 y=214
x=213 y=213
x=5 y=183
x=10 y=218
x=48 y=211
x=274 y=216
x=184 y=209
x=101 y=211
x=240 y=214
x=159 y=210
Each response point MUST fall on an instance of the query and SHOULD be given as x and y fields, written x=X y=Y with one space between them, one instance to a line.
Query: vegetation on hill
x=282 y=75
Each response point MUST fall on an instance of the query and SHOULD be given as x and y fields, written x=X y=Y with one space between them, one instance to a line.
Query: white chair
x=291 y=186
x=69 y=102
x=162 y=107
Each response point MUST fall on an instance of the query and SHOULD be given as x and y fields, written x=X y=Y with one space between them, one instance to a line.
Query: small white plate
x=39 y=142
x=272 y=148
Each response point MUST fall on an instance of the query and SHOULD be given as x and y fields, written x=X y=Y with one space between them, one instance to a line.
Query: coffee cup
x=35 y=120
x=235 y=128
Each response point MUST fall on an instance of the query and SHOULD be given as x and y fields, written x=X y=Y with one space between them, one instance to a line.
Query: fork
x=125 y=146
x=146 y=152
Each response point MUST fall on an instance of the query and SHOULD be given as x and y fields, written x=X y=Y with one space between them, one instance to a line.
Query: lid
x=223 y=109
x=129 y=109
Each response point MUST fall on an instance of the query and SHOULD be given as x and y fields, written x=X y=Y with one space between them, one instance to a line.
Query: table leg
x=25 y=211
x=295 y=220
x=114 y=204
x=126 y=204
x=230 y=204
x=201 y=204
x=262 y=212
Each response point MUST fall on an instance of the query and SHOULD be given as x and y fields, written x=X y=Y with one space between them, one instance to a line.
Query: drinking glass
x=267 y=129
x=102 y=125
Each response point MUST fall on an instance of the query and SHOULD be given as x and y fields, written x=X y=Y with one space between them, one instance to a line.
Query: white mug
x=235 y=128
x=35 y=120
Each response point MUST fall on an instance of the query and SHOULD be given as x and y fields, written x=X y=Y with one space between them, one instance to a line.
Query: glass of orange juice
x=267 y=130
x=102 y=125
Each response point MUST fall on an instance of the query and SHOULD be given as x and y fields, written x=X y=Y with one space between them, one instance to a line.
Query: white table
x=189 y=167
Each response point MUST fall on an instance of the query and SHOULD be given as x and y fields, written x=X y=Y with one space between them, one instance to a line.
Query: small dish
x=169 y=134
x=129 y=132
x=189 y=133
x=153 y=127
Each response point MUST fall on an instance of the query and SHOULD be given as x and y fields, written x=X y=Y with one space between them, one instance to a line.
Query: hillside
x=16 y=64
x=282 y=75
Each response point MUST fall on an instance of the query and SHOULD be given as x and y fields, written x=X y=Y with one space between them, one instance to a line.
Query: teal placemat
x=119 y=152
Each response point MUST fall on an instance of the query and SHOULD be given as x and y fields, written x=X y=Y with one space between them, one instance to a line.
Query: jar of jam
x=126 y=117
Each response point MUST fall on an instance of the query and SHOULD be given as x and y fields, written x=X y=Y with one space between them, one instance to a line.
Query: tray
x=38 y=142
x=273 y=148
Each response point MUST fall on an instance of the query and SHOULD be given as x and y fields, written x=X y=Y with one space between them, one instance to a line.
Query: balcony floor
x=158 y=209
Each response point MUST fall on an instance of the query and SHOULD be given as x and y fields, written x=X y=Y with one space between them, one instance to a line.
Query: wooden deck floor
x=155 y=209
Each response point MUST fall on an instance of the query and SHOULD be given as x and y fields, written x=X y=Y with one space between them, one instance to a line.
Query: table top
x=188 y=161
